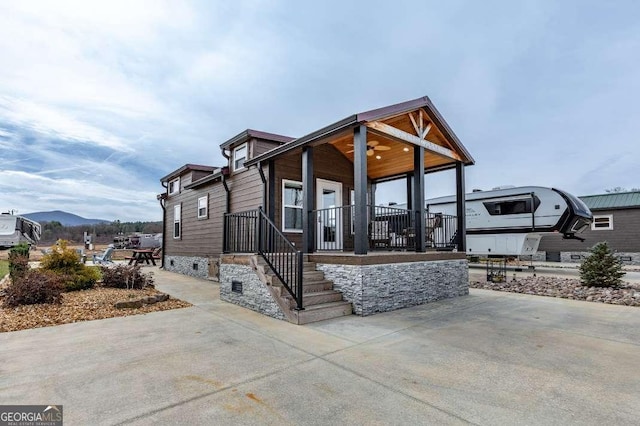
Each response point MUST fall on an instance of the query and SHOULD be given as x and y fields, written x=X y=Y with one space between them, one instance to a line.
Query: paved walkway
x=488 y=358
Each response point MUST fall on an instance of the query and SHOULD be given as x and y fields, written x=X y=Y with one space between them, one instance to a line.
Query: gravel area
x=85 y=305
x=566 y=288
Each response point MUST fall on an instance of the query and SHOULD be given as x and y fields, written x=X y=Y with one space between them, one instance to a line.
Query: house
x=290 y=226
x=616 y=220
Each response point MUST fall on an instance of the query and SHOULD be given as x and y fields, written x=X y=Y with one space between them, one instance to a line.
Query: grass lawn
x=4 y=268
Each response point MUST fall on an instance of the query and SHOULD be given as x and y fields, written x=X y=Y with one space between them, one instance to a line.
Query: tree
x=621 y=189
x=601 y=268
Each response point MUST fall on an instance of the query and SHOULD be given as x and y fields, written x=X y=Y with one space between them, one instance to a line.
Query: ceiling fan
x=372 y=146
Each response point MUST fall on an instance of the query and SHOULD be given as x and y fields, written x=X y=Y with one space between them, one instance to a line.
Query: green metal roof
x=614 y=200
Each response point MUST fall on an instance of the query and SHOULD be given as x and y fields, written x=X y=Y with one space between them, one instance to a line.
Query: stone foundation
x=387 y=287
x=188 y=265
x=255 y=294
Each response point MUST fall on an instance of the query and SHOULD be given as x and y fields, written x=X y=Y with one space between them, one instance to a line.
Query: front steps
x=320 y=300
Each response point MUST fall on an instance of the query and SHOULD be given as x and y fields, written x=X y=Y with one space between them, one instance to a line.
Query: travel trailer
x=18 y=229
x=510 y=221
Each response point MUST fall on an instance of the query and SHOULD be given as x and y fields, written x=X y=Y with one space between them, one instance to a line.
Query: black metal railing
x=388 y=228
x=253 y=232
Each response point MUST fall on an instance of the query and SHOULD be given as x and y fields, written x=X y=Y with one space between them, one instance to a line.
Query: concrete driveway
x=489 y=358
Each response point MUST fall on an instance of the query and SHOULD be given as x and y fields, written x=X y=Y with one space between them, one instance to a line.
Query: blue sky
x=98 y=100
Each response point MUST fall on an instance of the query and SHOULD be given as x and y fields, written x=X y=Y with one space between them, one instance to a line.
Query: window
x=499 y=208
x=239 y=157
x=203 y=210
x=174 y=186
x=291 y=206
x=602 y=222
x=176 y=221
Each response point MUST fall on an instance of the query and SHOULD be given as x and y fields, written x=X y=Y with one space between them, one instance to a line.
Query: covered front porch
x=319 y=226
x=329 y=203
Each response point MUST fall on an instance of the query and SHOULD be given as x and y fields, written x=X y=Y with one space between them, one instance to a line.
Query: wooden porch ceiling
x=397 y=136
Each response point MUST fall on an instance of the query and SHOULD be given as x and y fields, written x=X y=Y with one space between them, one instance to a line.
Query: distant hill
x=66 y=219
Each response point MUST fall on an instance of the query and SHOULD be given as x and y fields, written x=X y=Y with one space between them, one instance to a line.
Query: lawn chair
x=380 y=235
x=105 y=258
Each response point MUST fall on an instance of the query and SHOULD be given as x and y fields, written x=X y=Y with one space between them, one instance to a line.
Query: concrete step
x=316 y=298
x=312 y=275
x=314 y=286
x=323 y=312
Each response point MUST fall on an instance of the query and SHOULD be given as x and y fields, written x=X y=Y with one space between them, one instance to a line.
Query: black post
x=361 y=240
x=461 y=208
x=272 y=191
x=409 y=191
x=418 y=197
x=308 y=195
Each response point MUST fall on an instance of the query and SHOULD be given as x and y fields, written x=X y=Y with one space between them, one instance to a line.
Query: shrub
x=125 y=276
x=36 y=286
x=66 y=262
x=61 y=259
x=81 y=280
x=20 y=249
x=601 y=268
x=18 y=265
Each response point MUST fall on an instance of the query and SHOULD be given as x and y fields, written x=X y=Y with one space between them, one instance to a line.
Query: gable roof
x=614 y=200
x=257 y=134
x=369 y=116
x=187 y=167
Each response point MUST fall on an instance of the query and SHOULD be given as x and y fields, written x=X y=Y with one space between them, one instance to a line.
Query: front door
x=328 y=203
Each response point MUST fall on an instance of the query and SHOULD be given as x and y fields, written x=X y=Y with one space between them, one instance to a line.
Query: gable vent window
x=602 y=222
x=239 y=157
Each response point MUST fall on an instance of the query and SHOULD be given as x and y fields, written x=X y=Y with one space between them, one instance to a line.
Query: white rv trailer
x=18 y=229
x=511 y=221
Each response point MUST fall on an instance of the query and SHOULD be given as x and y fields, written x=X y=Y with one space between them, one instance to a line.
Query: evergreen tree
x=601 y=268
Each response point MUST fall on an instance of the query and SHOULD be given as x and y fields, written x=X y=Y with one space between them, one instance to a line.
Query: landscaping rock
x=566 y=288
x=162 y=297
x=149 y=300
x=129 y=304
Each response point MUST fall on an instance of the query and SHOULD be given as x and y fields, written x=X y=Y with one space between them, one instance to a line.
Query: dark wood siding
x=624 y=237
x=199 y=237
x=261 y=146
x=328 y=163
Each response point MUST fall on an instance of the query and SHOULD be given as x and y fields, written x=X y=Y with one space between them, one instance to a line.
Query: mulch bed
x=567 y=288
x=85 y=305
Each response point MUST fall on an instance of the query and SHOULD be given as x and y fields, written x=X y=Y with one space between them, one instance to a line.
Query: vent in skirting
x=236 y=286
x=171 y=262
x=195 y=266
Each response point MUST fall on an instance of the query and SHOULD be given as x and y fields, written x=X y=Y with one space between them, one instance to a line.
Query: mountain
x=65 y=218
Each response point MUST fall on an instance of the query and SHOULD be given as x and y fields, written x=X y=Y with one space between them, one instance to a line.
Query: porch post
x=418 y=196
x=308 y=195
x=271 y=209
x=409 y=191
x=361 y=240
x=461 y=208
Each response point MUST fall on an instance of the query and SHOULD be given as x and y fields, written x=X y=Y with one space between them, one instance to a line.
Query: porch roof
x=392 y=130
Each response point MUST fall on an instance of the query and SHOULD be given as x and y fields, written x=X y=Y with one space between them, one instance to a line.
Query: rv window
x=291 y=206
x=505 y=207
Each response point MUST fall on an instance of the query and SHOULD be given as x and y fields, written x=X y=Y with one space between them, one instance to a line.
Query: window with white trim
x=291 y=206
x=174 y=186
x=602 y=222
x=203 y=209
x=177 y=217
x=239 y=157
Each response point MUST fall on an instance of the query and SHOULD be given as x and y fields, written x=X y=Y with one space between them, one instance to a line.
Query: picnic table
x=142 y=256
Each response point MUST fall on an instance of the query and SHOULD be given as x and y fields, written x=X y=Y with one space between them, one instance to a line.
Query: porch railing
x=253 y=232
x=389 y=228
